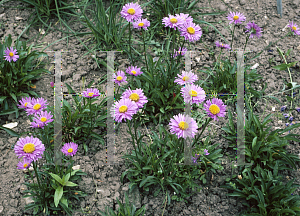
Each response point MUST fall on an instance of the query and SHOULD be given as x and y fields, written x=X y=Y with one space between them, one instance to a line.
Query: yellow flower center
x=131 y=11
x=91 y=94
x=221 y=44
x=183 y=125
x=236 y=17
x=193 y=93
x=25 y=104
x=141 y=24
x=214 y=109
x=134 y=97
x=25 y=165
x=179 y=52
x=191 y=30
x=119 y=78
x=11 y=54
x=70 y=150
x=123 y=108
x=43 y=119
x=186 y=78
x=28 y=148
x=37 y=106
x=173 y=20
x=294 y=28
x=134 y=72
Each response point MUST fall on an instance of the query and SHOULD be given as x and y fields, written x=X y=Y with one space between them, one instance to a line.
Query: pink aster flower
x=193 y=94
x=183 y=126
x=43 y=118
x=52 y=84
x=186 y=78
x=181 y=51
x=69 y=149
x=29 y=147
x=253 y=29
x=24 y=102
x=120 y=78
x=221 y=45
x=173 y=21
x=190 y=31
x=215 y=108
x=36 y=124
x=137 y=96
x=134 y=71
x=91 y=93
x=131 y=11
x=36 y=106
x=141 y=23
x=236 y=17
x=294 y=28
x=25 y=164
x=124 y=109
x=11 y=54
x=186 y=17
x=206 y=152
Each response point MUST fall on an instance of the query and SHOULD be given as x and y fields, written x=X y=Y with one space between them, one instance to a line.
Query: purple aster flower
x=186 y=17
x=179 y=52
x=29 y=147
x=298 y=109
x=120 y=78
x=193 y=94
x=137 y=96
x=190 y=31
x=141 y=23
x=286 y=124
x=206 y=152
x=286 y=115
x=36 y=124
x=25 y=164
x=294 y=28
x=236 y=17
x=131 y=11
x=134 y=71
x=11 y=54
x=254 y=30
x=183 y=126
x=221 y=45
x=124 y=109
x=194 y=159
x=43 y=118
x=215 y=108
x=36 y=106
x=291 y=118
x=69 y=149
x=173 y=21
x=283 y=108
x=24 y=102
x=91 y=93
x=52 y=84
x=186 y=78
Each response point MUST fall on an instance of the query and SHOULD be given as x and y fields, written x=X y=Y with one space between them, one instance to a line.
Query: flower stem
x=145 y=51
x=232 y=40
x=130 y=44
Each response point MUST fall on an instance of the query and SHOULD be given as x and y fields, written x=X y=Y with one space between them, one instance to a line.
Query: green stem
x=206 y=123
x=246 y=41
x=130 y=44
x=232 y=40
x=145 y=50
x=289 y=75
x=38 y=179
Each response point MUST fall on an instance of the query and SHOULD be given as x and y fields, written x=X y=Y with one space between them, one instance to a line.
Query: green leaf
x=56 y=177
x=11 y=132
x=58 y=194
x=70 y=184
x=283 y=66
